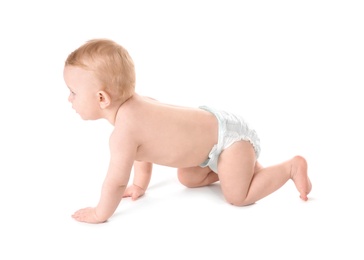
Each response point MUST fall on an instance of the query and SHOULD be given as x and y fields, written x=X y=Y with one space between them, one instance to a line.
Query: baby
x=204 y=144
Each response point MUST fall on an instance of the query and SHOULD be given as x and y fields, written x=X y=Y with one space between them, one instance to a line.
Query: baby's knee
x=185 y=178
x=192 y=177
x=238 y=201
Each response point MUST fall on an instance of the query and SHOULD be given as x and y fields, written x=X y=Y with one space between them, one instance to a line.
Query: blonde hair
x=111 y=64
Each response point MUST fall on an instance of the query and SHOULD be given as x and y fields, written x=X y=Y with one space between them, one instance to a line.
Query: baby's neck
x=112 y=111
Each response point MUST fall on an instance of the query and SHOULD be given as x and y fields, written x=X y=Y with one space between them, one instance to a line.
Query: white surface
x=293 y=69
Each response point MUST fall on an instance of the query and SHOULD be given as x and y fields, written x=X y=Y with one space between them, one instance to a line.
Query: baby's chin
x=82 y=116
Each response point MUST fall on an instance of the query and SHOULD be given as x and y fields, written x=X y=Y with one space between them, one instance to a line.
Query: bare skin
x=148 y=132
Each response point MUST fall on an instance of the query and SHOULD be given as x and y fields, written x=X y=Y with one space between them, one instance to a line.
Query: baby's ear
x=104 y=99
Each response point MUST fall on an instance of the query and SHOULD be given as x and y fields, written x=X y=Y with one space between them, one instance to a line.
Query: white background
x=293 y=69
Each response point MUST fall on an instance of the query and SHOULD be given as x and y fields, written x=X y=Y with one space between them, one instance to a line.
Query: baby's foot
x=300 y=177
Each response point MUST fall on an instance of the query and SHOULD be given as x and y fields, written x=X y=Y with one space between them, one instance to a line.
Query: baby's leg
x=197 y=176
x=244 y=183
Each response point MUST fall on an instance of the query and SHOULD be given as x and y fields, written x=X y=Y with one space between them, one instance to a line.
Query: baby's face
x=84 y=88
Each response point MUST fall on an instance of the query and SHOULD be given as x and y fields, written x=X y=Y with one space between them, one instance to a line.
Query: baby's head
x=112 y=65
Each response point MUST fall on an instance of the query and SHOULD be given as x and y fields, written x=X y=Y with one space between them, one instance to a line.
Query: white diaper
x=232 y=128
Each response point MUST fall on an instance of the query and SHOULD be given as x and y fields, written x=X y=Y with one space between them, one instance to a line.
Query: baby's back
x=170 y=135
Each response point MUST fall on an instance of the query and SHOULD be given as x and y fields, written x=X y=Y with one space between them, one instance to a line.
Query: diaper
x=231 y=128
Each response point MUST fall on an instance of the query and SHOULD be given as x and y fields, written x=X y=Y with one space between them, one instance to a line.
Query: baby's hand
x=134 y=192
x=87 y=215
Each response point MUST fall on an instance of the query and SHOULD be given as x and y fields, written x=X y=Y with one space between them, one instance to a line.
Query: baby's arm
x=111 y=194
x=142 y=176
x=117 y=178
